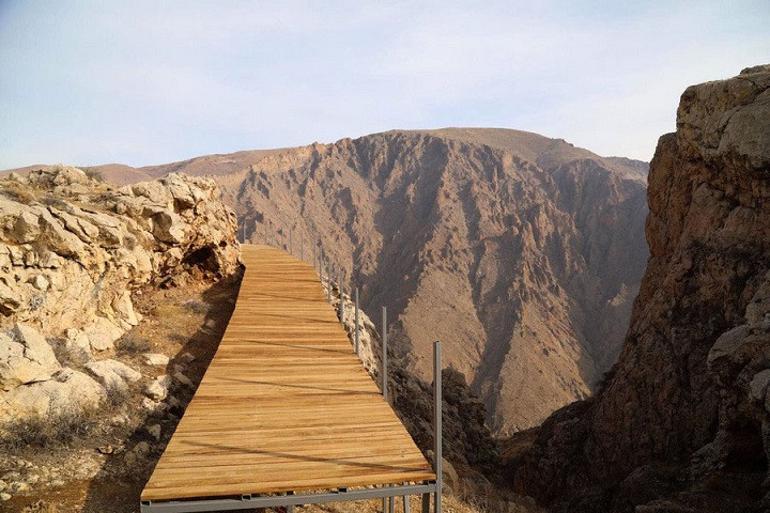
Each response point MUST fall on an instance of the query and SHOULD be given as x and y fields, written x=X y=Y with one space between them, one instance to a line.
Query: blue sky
x=150 y=82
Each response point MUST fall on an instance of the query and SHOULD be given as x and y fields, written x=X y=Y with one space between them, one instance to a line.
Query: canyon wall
x=682 y=422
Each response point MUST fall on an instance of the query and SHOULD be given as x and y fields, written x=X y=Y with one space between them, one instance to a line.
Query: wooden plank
x=285 y=405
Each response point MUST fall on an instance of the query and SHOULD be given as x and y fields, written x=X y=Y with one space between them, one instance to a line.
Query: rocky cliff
x=682 y=422
x=520 y=253
x=72 y=252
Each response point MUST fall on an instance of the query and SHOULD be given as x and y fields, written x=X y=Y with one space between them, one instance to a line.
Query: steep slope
x=682 y=423
x=522 y=253
x=523 y=262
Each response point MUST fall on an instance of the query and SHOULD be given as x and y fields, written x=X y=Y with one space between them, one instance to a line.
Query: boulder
x=156 y=359
x=759 y=385
x=40 y=282
x=112 y=374
x=26 y=229
x=25 y=357
x=102 y=334
x=76 y=346
x=168 y=227
x=157 y=390
x=9 y=300
x=67 y=392
x=153 y=407
x=124 y=309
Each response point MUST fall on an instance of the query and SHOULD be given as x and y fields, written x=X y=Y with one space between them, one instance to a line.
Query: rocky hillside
x=72 y=251
x=682 y=422
x=520 y=252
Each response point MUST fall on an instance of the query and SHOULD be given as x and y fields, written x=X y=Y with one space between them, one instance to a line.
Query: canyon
x=521 y=253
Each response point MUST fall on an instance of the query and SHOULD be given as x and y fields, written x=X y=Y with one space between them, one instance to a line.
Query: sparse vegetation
x=195 y=306
x=132 y=344
x=36 y=302
x=48 y=432
x=18 y=192
x=117 y=396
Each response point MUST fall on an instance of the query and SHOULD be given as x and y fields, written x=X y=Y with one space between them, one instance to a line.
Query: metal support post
x=437 y=430
x=407 y=506
x=357 y=335
x=385 y=353
x=391 y=505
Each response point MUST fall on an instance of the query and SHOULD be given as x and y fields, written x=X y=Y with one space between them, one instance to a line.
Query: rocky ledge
x=73 y=250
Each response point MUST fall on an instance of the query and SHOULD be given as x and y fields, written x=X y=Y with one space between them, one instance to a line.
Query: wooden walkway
x=285 y=405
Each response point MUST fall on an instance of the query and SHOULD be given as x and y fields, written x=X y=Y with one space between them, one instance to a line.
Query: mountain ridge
x=244 y=158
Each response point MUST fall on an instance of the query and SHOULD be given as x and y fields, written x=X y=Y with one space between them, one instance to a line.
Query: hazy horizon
x=146 y=84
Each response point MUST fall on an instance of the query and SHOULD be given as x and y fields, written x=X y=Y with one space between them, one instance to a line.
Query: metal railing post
x=407 y=506
x=384 y=353
x=328 y=285
x=437 y=428
x=357 y=336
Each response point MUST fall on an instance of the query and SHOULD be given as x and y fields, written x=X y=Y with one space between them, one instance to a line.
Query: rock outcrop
x=683 y=420
x=72 y=251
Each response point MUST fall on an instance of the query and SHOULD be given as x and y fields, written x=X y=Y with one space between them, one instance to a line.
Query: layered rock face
x=521 y=253
x=682 y=423
x=72 y=250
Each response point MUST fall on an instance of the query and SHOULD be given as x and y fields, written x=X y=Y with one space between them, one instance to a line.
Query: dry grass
x=131 y=344
x=48 y=432
x=117 y=396
x=18 y=192
x=197 y=307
